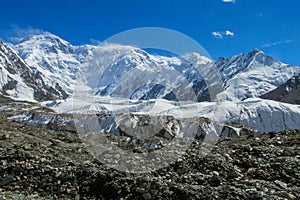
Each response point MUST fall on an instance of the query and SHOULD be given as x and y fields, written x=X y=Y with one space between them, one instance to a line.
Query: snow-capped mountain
x=23 y=82
x=129 y=72
x=54 y=57
x=45 y=67
x=289 y=92
x=251 y=75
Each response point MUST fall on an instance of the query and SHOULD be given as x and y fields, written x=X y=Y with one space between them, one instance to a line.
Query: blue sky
x=222 y=27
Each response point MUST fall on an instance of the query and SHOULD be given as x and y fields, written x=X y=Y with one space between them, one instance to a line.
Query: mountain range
x=47 y=69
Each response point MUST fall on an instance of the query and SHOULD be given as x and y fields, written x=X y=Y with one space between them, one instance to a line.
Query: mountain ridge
x=20 y=81
x=288 y=92
x=247 y=75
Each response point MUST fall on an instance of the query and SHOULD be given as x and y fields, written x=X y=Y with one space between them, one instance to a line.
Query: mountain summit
x=21 y=81
x=55 y=58
x=252 y=75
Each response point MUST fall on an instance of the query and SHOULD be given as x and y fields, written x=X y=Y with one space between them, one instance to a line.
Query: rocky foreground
x=37 y=163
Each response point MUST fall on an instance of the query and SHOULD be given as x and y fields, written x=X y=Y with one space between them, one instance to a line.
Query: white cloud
x=217 y=34
x=229 y=33
x=16 y=33
x=222 y=34
x=276 y=43
x=228 y=1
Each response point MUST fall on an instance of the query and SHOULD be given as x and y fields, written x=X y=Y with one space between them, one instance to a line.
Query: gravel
x=37 y=163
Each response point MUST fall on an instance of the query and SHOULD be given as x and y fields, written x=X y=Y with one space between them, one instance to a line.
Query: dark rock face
x=37 y=163
x=288 y=92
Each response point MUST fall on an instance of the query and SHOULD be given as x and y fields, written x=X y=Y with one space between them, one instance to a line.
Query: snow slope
x=129 y=72
x=20 y=81
x=288 y=92
x=251 y=75
x=55 y=58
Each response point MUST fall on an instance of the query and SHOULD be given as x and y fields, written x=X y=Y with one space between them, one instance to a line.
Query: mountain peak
x=197 y=59
x=256 y=50
x=44 y=43
x=44 y=38
x=254 y=53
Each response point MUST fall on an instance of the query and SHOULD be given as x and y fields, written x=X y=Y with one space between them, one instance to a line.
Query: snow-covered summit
x=23 y=82
x=54 y=57
x=44 y=40
x=251 y=75
x=130 y=72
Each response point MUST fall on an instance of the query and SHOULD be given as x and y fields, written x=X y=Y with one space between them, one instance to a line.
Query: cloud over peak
x=15 y=34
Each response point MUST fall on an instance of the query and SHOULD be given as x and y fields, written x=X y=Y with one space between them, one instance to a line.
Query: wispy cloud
x=95 y=41
x=276 y=43
x=228 y=1
x=222 y=34
x=259 y=14
x=15 y=34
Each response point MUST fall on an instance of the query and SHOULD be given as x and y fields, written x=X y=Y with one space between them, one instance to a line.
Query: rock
x=288 y=152
x=285 y=194
x=3 y=162
x=5 y=136
x=281 y=184
x=6 y=180
x=17 y=187
x=77 y=197
x=215 y=181
x=102 y=175
x=147 y=196
x=232 y=174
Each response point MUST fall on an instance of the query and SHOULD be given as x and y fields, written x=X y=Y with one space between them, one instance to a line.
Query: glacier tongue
x=258 y=114
x=261 y=115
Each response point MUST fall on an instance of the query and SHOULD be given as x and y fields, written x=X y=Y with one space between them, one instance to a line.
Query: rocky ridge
x=289 y=92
